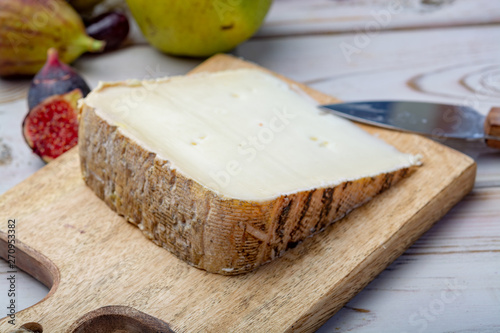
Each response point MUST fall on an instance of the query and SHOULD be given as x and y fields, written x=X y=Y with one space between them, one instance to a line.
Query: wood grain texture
x=118 y=319
x=104 y=261
x=314 y=17
x=457 y=258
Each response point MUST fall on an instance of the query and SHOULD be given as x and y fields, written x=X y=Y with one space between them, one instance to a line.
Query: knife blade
x=429 y=119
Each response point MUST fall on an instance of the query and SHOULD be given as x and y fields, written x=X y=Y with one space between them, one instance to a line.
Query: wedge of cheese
x=228 y=170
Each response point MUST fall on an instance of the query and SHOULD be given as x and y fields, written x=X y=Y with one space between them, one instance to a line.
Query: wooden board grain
x=92 y=258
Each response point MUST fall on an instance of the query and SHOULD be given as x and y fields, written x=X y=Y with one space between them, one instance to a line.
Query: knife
x=442 y=121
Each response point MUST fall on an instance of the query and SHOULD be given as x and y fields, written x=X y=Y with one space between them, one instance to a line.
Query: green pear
x=198 y=28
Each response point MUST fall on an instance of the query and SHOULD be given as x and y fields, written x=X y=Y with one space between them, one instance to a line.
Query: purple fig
x=55 y=78
x=111 y=27
x=51 y=128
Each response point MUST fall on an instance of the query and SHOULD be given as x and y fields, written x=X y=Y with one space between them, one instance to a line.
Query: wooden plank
x=412 y=282
x=102 y=260
x=312 y=17
x=447 y=281
x=425 y=51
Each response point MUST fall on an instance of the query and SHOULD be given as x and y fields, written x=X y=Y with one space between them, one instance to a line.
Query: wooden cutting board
x=104 y=275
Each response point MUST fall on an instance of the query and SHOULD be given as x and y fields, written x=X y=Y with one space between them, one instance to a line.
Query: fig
x=55 y=78
x=111 y=27
x=28 y=28
x=51 y=128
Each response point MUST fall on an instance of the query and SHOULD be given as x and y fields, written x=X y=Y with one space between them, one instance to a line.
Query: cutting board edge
x=455 y=191
x=326 y=298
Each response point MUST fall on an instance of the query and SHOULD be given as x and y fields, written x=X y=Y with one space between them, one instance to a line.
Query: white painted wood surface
x=299 y=17
x=449 y=280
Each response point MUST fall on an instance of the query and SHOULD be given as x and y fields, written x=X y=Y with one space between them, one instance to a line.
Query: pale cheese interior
x=244 y=133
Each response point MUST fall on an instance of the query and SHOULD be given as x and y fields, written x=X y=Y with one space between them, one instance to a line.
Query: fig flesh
x=51 y=128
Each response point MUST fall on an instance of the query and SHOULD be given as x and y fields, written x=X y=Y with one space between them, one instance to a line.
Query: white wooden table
x=443 y=51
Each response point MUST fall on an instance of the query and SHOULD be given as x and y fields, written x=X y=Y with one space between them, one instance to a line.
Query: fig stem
x=52 y=56
x=91 y=44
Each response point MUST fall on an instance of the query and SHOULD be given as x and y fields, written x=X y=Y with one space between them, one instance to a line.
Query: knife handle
x=492 y=127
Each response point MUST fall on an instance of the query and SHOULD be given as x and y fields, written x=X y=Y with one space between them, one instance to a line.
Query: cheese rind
x=212 y=228
x=244 y=134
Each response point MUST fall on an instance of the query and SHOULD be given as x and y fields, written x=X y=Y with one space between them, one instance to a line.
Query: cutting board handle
x=118 y=318
x=114 y=318
x=31 y=261
x=492 y=127
x=20 y=256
